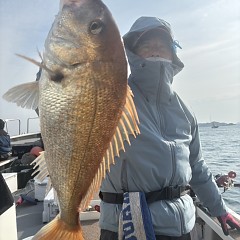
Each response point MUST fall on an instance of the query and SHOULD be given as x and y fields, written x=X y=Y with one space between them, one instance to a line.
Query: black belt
x=167 y=193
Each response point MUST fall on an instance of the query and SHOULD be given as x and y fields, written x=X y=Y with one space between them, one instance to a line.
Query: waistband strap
x=167 y=193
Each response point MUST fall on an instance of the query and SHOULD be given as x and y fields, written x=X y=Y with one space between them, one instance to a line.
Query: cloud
x=219 y=47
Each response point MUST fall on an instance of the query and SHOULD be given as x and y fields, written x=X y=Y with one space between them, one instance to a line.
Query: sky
x=207 y=30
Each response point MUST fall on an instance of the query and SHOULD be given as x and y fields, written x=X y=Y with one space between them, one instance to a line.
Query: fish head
x=84 y=31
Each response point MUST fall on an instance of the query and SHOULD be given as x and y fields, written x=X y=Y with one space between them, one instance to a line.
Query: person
x=225 y=180
x=166 y=156
x=5 y=143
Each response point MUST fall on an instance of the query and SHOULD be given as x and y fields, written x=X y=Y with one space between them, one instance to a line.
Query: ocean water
x=221 y=151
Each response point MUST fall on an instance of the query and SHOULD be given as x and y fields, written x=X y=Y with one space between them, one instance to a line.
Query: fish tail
x=57 y=229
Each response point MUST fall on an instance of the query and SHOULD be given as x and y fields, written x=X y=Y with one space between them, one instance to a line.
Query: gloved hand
x=228 y=219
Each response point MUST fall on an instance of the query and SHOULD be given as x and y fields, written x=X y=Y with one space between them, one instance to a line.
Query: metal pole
x=12 y=120
x=28 y=120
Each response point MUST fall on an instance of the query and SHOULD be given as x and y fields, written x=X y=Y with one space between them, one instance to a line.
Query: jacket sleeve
x=202 y=182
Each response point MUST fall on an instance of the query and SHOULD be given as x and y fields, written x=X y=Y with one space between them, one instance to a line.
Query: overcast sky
x=208 y=31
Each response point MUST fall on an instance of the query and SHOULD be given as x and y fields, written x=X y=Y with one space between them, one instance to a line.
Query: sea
x=221 y=151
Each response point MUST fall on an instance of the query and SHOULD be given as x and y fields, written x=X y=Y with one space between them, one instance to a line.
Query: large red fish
x=85 y=105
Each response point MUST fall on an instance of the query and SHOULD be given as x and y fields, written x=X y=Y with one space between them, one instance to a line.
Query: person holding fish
x=86 y=105
x=144 y=194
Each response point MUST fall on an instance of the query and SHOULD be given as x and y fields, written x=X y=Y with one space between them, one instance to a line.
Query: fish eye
x=57 y=77
x=96 y=27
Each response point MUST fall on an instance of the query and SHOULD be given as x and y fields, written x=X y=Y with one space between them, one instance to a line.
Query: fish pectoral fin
x=25 y=95
x=128 y=125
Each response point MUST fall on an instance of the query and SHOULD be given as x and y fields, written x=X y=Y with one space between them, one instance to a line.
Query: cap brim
x=158 y=31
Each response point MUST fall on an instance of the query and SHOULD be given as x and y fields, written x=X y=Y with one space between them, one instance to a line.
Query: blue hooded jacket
x=168 y=150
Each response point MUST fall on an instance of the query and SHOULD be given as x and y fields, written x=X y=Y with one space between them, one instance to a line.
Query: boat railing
x=26 y=136
x=19 y=130
x=13 y=120
x=28 y=122
x=210 y=227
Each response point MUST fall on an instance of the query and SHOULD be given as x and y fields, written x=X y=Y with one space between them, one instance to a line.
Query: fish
x=86 y=108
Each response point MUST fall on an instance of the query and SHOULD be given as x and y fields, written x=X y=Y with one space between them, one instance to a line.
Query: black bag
x=19 y=150
x=6 y=198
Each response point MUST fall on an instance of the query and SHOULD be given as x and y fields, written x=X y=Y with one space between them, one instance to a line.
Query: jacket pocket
x=189 y=210
x=109 y=216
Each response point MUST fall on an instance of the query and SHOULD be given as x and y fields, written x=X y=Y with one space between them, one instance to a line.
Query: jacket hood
x=144 y=24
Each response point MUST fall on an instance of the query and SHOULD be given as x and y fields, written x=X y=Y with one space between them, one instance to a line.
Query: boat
x=214 y=125
x=24 y=220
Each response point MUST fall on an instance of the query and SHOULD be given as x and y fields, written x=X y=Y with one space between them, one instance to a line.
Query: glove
x=228 y=219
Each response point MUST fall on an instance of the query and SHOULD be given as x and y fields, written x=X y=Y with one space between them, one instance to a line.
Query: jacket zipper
x=171 y=146
x=162 y=130
x=160 y=120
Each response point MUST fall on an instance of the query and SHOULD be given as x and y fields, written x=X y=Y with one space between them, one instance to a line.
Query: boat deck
x=30 y=218
x=29 y=221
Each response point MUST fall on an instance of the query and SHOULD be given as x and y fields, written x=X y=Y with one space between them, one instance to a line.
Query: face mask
x=156 y=59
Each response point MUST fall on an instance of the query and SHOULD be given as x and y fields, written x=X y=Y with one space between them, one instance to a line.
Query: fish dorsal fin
x=128 y=125
x=25 y=95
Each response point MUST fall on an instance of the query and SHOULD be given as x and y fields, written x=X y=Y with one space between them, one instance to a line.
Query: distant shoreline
x=210 y=124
